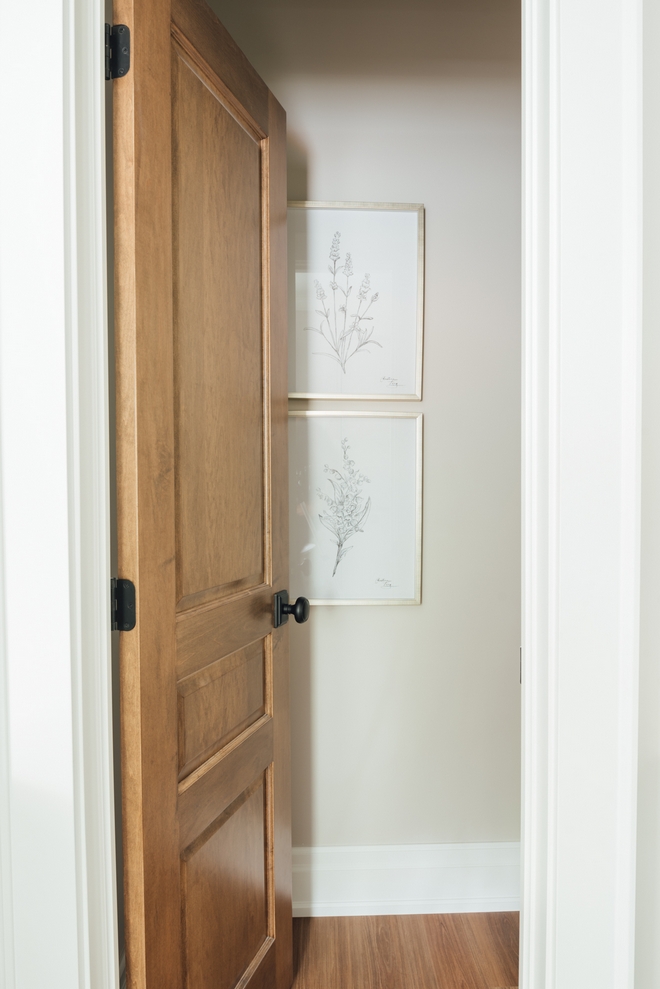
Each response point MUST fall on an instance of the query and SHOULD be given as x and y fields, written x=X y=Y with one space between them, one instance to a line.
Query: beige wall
x=406 y=720
x=648 y=847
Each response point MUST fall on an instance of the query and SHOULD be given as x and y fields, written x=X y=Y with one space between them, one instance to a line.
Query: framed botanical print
x=356 y=507
x=356 y=300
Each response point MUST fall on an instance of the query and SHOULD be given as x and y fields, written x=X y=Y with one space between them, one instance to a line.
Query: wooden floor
x=441 y=951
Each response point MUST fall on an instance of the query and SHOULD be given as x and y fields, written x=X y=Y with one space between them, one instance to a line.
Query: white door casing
x=581 y=489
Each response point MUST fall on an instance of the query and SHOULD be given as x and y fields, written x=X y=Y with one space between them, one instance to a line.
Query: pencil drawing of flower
x=346 y=333
x=346 y=510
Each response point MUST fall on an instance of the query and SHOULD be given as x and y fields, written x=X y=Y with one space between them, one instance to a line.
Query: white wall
x=406 y=720
x=648 y=848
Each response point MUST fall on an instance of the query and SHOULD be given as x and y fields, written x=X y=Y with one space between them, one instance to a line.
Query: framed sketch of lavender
x=356 y=292
x=356 y=507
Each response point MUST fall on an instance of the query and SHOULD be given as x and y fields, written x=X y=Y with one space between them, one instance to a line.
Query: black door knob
x=282 y=609
x=299 y=610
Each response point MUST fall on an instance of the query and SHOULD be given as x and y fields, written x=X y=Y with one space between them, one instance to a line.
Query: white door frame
x=582 y=86
x=582 y=256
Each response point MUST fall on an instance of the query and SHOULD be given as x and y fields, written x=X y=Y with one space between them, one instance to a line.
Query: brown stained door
x=200 y=197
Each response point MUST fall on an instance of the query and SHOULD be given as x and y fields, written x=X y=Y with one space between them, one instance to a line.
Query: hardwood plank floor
x=439 y=951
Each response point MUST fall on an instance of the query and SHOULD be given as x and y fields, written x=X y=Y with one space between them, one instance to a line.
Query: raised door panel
x=219 y=702
x=226 y=895
x=218 y=342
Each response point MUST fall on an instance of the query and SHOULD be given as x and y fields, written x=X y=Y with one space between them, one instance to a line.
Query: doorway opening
x=406 y=720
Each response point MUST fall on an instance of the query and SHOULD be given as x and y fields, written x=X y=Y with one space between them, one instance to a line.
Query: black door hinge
x=122 y=605
x=117 y=51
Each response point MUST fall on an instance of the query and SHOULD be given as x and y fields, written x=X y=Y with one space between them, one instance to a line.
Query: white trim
x=7 y=969
x=57 y=840
x=406 y=879
x=581 y=489
x=90 y=496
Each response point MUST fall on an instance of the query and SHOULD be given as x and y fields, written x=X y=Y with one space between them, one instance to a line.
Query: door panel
x=225 y=894
x=202 y=506
x=218 y=345
x=218 y=703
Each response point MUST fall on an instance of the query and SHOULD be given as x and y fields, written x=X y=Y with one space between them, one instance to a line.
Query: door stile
x=279 y=406
x=145 y=494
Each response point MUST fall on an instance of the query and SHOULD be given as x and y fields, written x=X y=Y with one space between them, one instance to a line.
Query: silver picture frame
x=407 y=333
x=307 y=503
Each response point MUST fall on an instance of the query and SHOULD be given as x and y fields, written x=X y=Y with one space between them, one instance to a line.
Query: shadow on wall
x=302 y=755
x=297 y=167
x=370 y=37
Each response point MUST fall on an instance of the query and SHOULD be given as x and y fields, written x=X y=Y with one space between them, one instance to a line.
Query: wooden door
x=200 y=198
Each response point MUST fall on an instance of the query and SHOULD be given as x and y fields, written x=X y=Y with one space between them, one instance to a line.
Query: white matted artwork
x=356 y=507
x=356 y=291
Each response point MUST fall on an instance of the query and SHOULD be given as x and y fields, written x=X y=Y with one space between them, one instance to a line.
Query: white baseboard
x=402 y=879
